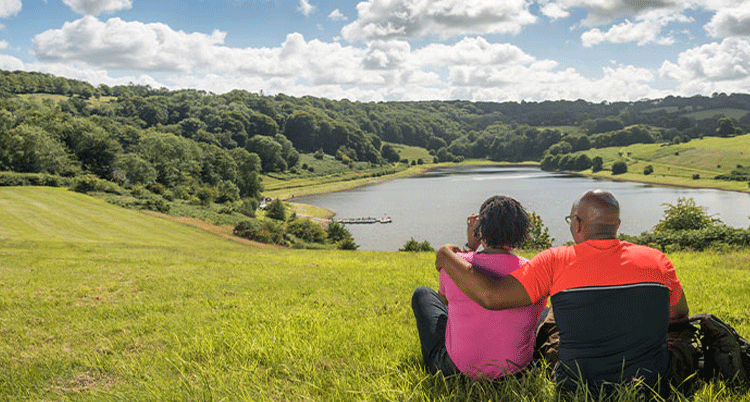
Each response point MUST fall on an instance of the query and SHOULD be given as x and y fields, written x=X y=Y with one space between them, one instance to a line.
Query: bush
x=276 y=210
x=685 y=215
x=347 y=244
x=32 y=179
x=337 y=232
x=597 y=164
x=413 y=245
x=265 y=231
x=89 y=183
x=539 y=238
x=648 y=170
x=248 y=207
x=205 y=195
x=696 y=176
x=305 y=229
x=619 y=167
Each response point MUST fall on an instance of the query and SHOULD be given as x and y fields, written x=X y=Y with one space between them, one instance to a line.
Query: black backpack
x=726 y=355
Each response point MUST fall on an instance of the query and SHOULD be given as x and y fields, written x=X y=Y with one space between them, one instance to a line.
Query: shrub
x=648 y=170
x=539 y=238
x=305 y=229
x=619 y=167
x=276 y=210
x=337 y=232
x=684 y=215
x=205 y=195
x=265 y=231
x=597 y=164
x=248 y=207
x=32 y=179
x=413 y=245
x=227 y=191
x=347 y=244
x=89 y=183
x=696 y=176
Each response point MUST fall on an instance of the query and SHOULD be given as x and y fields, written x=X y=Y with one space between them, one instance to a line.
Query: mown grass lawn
x=99 y=303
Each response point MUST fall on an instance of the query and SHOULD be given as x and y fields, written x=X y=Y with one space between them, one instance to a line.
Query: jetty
x=385 y=219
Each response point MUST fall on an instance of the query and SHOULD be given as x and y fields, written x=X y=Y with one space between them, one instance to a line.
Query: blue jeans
x=432 y=316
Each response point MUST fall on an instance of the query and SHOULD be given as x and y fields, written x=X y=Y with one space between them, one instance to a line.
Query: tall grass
x=99 y=303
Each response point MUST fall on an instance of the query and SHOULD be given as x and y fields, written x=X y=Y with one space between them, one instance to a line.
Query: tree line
x=193 y=143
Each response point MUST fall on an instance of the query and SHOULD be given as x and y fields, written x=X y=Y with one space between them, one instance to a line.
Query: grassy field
x=99 y=303
x=677 y=164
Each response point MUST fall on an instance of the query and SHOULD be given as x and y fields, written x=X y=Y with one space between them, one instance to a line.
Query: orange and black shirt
x=611 y=301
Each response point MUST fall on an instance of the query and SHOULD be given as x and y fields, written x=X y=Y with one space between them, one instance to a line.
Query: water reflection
x=434 y=206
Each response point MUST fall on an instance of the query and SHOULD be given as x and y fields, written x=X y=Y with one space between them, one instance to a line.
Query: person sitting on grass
x=612 y=300
x=459 y=336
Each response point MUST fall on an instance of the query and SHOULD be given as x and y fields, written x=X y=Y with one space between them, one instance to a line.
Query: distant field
x=412 y=153
x=98 y=303
x=564 y=129
x=706 y=114
x=677 y=164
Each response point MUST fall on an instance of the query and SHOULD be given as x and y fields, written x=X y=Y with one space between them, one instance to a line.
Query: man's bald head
x=599 y=213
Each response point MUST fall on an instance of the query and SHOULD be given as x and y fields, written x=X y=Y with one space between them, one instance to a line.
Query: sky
x=389 y=50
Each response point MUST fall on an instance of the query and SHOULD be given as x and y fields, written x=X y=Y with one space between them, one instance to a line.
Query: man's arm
x=680 y=311
x=492 y=295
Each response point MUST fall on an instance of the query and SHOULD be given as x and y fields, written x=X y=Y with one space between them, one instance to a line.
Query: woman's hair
x=503 y=222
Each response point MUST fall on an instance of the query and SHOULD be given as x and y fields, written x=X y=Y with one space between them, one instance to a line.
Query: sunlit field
x=99 y=303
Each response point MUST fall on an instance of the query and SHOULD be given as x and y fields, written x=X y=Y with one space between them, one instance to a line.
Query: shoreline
x=335 y=187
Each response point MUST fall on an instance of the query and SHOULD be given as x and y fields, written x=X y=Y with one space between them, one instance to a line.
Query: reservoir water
x=434 y=206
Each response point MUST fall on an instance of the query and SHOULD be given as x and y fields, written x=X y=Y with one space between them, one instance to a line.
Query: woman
x=456 y=334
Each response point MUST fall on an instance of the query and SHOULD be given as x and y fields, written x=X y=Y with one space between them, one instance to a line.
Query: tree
x=305 y=229
x=413 y=245
x=276 y=210
x=619 y=167
x=726 y=127
x=269 y=151
x=539 y=238
x=389 y=153
x=597 y=164
x=648 y=170
x=685 y=215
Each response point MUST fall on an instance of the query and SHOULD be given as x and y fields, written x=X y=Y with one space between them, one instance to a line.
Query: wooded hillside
x=199 y=144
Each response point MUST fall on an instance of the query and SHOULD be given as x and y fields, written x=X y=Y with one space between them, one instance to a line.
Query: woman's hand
x=472 y=239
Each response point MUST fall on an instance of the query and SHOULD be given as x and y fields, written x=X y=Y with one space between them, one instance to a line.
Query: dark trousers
x=432 y=316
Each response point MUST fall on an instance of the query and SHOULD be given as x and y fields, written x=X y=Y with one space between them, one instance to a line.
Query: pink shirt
x=486 y=344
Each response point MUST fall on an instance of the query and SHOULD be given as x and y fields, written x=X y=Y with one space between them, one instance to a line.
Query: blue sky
x=479 y=50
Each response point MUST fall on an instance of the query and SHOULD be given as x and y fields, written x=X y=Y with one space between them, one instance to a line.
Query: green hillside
x=676 y=164
x=99 y=303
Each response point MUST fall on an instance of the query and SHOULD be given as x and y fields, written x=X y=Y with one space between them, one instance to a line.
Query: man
x=612 y=300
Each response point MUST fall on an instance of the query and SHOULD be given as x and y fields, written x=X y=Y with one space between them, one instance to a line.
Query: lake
x=434 y=206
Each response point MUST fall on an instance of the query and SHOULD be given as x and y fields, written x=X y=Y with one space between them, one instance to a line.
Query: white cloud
x=727 y=63
x=122 y=45
x=383 y=19
x=734 y=21
x=306 y=8
x=602 y=12
x=96 y=7
x=647 y=30
x=9 y=8
x=554 y=11
x=473 y=68
x=336 y=15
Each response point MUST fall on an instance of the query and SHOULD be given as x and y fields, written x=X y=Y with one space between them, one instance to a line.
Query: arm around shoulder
x=492 y=295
